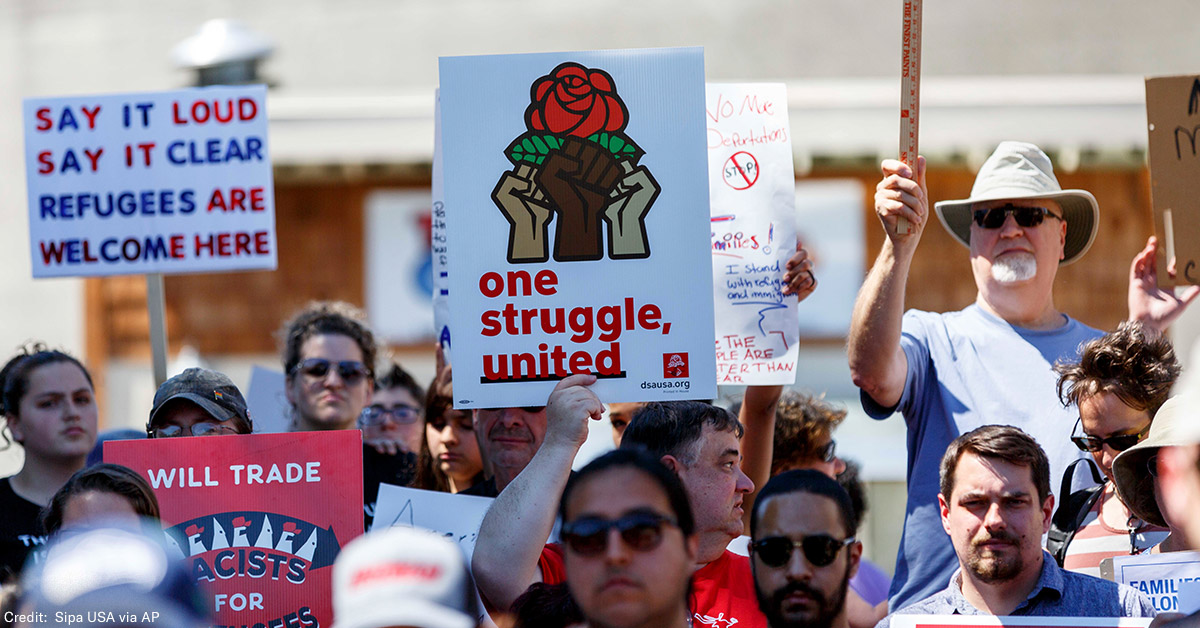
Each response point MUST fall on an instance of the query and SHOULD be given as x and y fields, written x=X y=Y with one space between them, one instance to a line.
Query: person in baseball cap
x=198 y=402
x=114 y=578
x=403 y=577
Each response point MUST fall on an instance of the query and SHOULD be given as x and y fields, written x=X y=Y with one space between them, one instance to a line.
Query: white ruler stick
x=910 y=93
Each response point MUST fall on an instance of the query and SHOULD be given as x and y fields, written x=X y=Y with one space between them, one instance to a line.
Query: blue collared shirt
x=1058 y=593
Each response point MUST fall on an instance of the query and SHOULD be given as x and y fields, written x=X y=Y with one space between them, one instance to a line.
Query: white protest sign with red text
x=751 y=185
x=260 y=517
x=578 y=190
x=161 y=182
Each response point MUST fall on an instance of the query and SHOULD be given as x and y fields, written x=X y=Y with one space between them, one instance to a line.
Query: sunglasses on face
x=1025 y=216
x=819 y=549
x=641 y=531
x=350 y=371
x=828 y=452
x=373 y=416
x=198 y=429
x=1118 y=442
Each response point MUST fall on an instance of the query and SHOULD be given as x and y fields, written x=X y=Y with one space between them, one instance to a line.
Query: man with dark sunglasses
x=803 y=551
x=629 y=543
x=995 y=504
x=948 y=373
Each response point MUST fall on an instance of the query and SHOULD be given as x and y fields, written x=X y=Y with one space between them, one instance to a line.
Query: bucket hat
x=1177 y=422
x=1020 y=170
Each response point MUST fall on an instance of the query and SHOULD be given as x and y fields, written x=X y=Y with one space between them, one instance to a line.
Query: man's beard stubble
x=827 y=608
x=994 y=567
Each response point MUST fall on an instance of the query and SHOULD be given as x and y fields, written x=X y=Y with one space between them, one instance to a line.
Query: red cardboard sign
x=261 y=517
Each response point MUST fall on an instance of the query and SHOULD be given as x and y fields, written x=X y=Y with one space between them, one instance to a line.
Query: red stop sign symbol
x=740 y=170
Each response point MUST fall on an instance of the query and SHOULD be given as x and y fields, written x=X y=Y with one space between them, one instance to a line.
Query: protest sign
x=954 y=621
x=440 y=250
x=751 y=183
x=260 y=517
x=1159 y=576
x=162 y=182
x=578 y=194
x=1173 y=111
x=456 y=517
x=266 y=399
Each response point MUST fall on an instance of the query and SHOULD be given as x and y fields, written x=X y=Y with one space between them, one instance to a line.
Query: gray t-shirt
x=967 y=369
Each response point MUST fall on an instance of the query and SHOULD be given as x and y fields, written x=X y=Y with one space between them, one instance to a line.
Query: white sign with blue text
x=157 y=182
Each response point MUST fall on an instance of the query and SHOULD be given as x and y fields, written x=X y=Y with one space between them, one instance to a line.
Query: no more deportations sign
x=165 y=182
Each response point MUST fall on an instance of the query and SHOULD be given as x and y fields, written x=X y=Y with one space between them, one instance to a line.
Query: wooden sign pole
x=156 y=303
x=910 y=93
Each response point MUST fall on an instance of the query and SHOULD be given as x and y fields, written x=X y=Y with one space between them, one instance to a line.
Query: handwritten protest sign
x=261 y=517
x=954 y=621
x=164 y=182
x=1159 y=576
x=751 y=181
x=455 y=516
x=577 y=193
x=1173 y=111
x=439 y=245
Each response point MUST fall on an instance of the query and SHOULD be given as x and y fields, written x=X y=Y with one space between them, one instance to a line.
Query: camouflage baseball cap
x=214 y=392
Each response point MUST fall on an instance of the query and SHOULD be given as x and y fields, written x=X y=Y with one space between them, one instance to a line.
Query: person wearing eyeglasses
x=1118 y=385
x=198 y=402
x=948 y=373
x=803 y=551
x=629 y=542
x=995 y=504
x=392 y=427
x=393 y=422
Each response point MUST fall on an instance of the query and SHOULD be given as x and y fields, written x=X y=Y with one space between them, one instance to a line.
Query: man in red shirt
x=695 y=440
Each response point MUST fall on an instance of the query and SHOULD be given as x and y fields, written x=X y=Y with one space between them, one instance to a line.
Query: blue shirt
x=1058 y=593
x=967 y=369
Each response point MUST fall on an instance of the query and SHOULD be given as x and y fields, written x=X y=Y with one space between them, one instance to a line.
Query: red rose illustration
x=241 y=522
x=291 y=527
x=193 y=530
x=574 y=100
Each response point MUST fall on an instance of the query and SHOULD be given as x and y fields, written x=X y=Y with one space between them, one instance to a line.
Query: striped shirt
x=1095 y=540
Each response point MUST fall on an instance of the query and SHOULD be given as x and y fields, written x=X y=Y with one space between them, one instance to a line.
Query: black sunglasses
x=819 y=549
x=1118 y=442
x=640 y=530
x=350 y=371
x=828 y=452
x=1025 y=216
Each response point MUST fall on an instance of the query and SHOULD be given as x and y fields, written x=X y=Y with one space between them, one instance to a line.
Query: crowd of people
x=1037 y=446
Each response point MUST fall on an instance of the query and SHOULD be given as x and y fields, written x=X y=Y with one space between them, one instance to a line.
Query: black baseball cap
x=214 y=392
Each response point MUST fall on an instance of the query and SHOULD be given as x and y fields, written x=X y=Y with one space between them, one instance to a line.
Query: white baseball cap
x=403 y=577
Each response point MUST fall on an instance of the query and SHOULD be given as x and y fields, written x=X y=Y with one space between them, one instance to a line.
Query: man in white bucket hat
x=949 y=373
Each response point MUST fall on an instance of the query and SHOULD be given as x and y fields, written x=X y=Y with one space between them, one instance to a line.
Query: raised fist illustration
x=626 y=213
x=578 y=178
x=528 y=213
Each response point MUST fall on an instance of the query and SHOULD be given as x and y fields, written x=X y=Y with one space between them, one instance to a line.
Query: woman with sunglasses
x=329 y=358
x=49 y=407
x=1121 y=380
